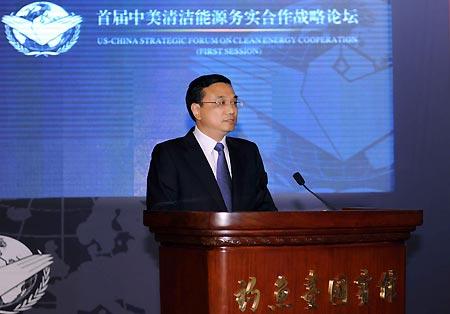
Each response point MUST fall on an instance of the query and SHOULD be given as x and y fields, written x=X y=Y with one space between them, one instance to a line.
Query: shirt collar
x=206 y=142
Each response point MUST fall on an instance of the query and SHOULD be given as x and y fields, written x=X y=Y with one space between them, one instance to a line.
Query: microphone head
x=298 y=178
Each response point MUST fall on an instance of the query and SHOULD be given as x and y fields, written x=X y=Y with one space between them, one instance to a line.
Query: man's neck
x=216 y=136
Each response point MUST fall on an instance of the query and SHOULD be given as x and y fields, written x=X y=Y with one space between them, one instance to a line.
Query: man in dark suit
x=205 y=169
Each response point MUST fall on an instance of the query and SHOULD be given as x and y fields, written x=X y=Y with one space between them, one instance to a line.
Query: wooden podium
x=348 y=261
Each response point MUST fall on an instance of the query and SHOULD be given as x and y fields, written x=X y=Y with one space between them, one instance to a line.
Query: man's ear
x=196 y=111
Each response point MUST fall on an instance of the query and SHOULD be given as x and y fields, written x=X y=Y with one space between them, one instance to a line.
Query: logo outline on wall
x=42 y=29
x=24 y=276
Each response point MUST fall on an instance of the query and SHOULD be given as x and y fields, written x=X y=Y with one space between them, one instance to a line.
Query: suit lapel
x=236 y=181
x=200 y=166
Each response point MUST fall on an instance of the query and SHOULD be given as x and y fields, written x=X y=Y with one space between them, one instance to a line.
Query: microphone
x=299 y=179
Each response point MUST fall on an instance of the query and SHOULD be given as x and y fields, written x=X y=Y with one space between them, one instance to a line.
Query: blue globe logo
x=42 y=28
x=19 y=273
x=12 y=251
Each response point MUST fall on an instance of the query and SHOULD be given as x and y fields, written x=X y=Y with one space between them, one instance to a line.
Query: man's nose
x=231 y=109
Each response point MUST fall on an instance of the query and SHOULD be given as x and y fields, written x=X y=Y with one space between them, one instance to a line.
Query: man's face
x=215 y=120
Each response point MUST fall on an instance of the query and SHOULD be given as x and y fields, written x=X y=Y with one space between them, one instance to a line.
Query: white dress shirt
x=207 y=144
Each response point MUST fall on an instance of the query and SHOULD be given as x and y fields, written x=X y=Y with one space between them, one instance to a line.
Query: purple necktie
x=223 y=176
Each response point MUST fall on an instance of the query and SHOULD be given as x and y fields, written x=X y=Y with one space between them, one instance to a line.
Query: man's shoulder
x=241 y=141
x=170 y=142
x=242 y=144
x=169 y=145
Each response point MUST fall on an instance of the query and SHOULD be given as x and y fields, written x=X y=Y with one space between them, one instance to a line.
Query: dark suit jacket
x=180 y=177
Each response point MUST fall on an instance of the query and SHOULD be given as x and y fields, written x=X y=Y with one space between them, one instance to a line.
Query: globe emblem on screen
x=24 y=276
x=42 y=28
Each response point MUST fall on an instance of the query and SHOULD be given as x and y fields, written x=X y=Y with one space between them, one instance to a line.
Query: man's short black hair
x=194 y=93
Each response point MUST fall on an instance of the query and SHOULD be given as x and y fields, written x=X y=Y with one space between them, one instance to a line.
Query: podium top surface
x=355 y=218
x=281 y=228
